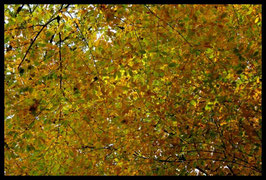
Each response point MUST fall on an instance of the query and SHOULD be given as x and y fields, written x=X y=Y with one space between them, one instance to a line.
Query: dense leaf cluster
x=132 y=89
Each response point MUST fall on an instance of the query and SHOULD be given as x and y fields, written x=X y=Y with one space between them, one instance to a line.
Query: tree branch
x=179 y=34
x=201 y=170
x=19 y=9
x=170 y=26
x=230 y=168
x=51 y=20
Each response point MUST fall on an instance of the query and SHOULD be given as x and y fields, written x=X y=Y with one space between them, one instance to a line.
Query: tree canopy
x=114 y=89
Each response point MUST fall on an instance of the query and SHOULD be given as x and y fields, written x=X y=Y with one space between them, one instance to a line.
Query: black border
x=126 y=2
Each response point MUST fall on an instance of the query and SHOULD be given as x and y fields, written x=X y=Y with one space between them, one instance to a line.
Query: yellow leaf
x=174 y=123
x=258 y=80
x=223 y=123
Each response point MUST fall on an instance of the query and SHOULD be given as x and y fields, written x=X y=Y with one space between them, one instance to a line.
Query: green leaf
x=193 y=102
x=207 y=108
x=172 y=64
x=209 y=50
x=256 y=53
x=142 y=51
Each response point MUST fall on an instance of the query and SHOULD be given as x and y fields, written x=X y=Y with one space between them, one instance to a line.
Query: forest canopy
x=132 y=89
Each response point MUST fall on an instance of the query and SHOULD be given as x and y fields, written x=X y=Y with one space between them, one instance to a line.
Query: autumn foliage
x=132 y=89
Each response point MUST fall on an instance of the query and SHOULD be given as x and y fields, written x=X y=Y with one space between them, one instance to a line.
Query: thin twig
x=230 y=168
x=51 y=20
x=201 y=170
x=170 y=26
x=179 y=34
x=236 y=15
x=34 y=41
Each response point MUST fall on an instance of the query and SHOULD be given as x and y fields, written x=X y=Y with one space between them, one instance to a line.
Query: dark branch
x=170 y=26
x=201 y=170
x=35 y=40
x=29 y=8
x=18 y=10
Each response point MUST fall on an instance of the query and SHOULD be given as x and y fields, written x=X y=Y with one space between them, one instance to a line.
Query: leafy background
x=132 y=89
